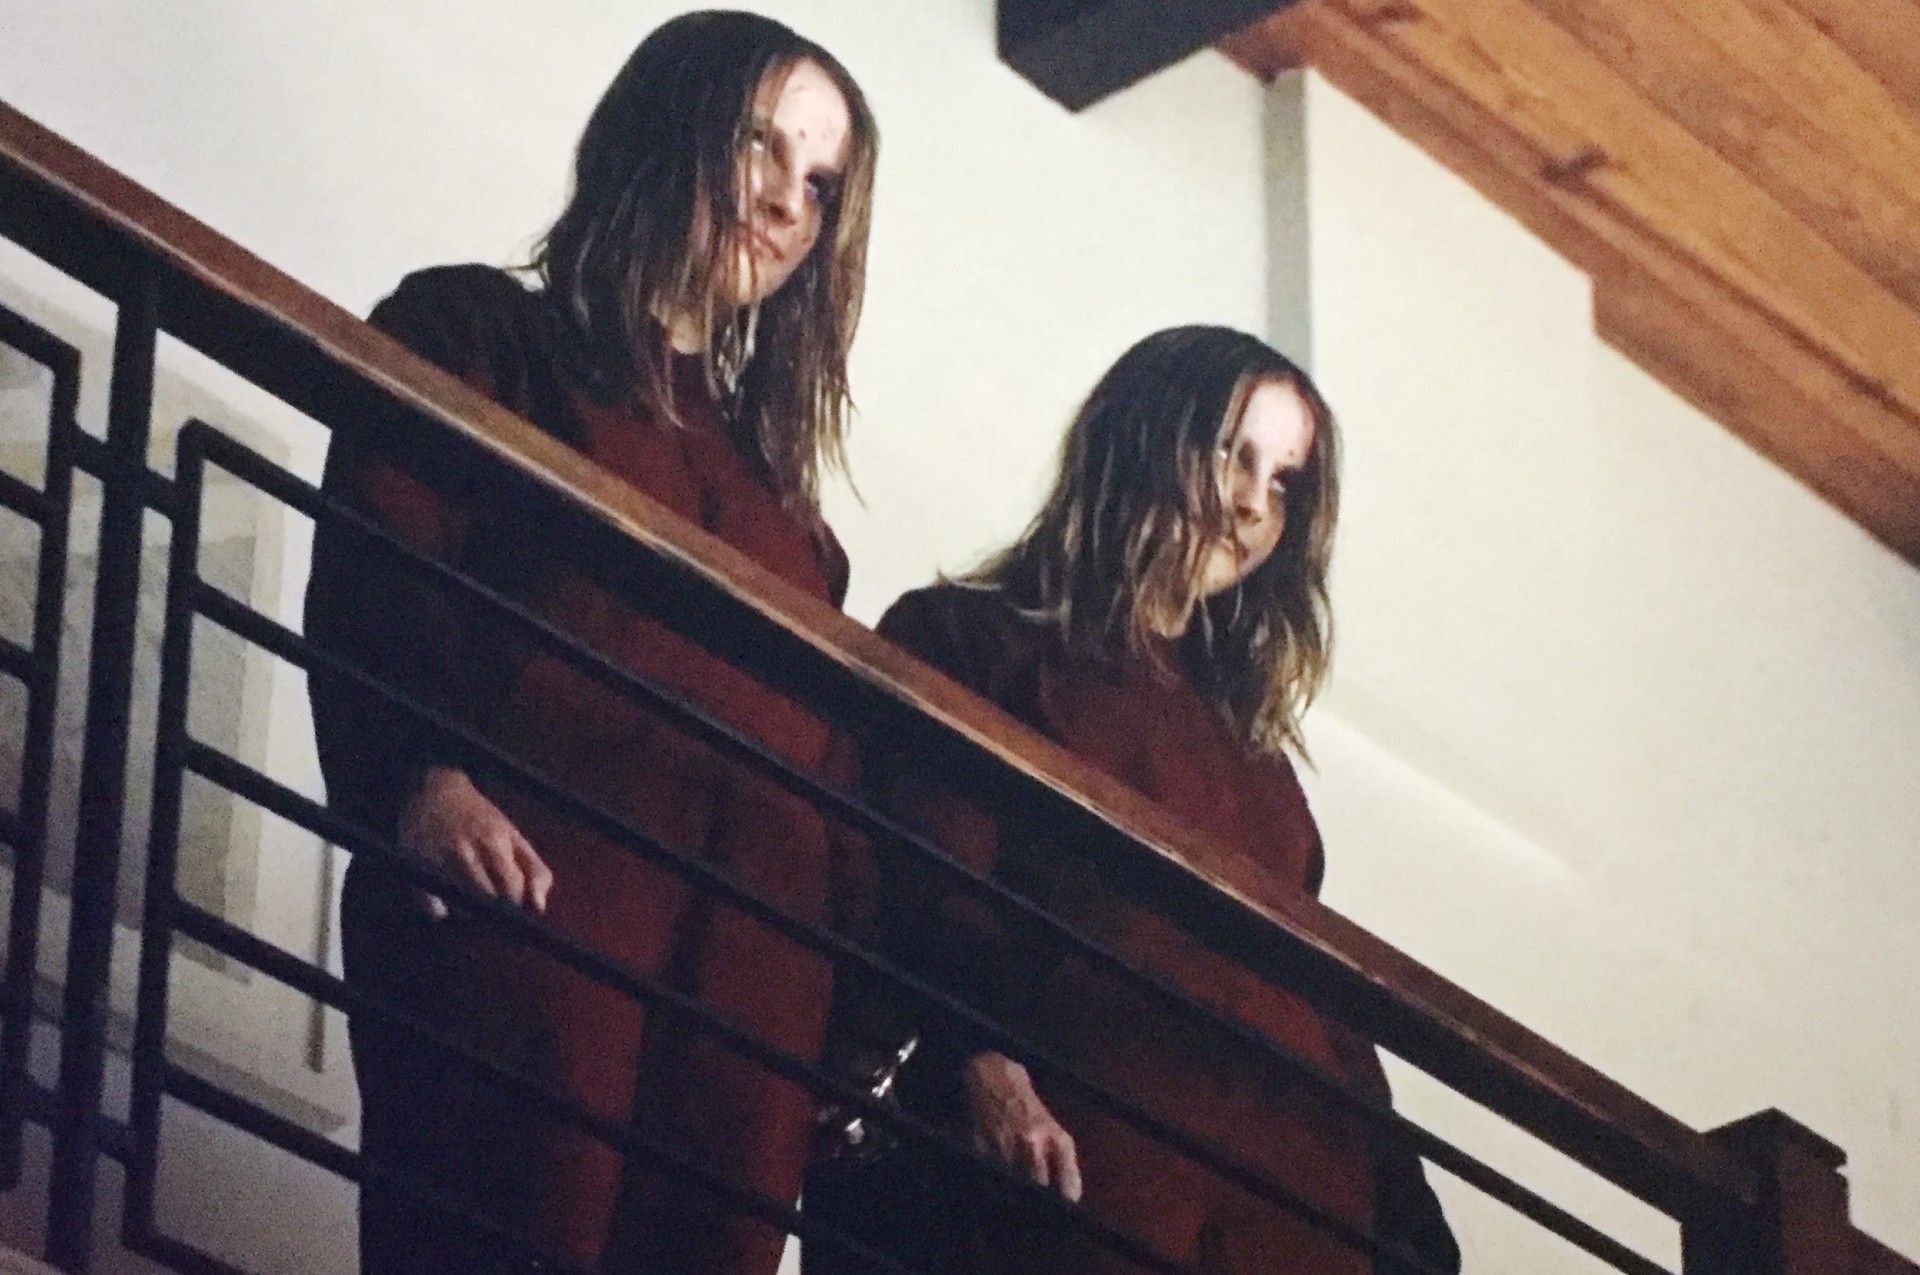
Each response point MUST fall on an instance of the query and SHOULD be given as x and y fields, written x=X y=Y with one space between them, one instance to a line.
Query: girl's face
x=1269 y=444
x=789 y=177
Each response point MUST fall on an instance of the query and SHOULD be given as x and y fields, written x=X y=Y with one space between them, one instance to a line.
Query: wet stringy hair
x=1114 y=558
x=653 y=225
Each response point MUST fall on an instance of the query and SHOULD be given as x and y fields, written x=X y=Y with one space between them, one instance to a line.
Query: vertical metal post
x=103 y=776
x=36 y=764
x=1799 y=1225
x=163 y=852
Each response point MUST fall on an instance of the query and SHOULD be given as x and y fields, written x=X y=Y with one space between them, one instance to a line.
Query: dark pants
x=496 y=1152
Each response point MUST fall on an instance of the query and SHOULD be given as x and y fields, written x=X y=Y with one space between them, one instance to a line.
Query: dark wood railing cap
x=1759 y=1137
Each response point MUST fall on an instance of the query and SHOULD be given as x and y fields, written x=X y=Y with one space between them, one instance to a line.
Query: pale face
x=1268 y=446
x=791 y=172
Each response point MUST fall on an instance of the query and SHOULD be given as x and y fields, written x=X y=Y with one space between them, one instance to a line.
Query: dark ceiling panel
x=1079 y=51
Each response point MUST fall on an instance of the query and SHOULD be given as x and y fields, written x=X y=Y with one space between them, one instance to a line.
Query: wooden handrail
x=102 y=228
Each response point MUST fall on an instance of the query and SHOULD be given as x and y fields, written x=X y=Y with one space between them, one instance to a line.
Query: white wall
x=1624 y=723
x=1016 y=251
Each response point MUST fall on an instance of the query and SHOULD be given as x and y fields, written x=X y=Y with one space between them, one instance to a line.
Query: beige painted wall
x=1624 y=724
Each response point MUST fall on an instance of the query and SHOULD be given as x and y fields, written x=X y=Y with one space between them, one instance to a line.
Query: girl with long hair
x=1164 y=617
x=687 y=327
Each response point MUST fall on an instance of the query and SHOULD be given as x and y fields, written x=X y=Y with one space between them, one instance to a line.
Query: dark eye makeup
x=824 y=188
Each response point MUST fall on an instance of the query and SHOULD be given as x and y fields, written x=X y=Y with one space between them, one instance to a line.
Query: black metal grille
x=37 y=668
x=131 y=490
x=188 y=597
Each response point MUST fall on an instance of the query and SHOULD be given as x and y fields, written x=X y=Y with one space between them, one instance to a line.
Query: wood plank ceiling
x=1741 y=179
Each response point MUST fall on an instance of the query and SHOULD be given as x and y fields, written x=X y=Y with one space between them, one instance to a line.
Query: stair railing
x=1761 y=1197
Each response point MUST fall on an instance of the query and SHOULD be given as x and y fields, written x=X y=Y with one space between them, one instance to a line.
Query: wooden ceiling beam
x=1773 y=97
x=1694 y=355
x=1882 y=37
x=1711 y=344
x=1273 y=45
x=1079 y=51
x=1499 y=163
x=1639 y=169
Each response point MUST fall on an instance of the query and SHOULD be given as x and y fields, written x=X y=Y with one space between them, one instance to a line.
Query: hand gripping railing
x=1763 y=1196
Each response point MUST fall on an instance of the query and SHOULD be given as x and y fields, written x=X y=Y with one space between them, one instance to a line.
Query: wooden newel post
x=1799 y=1225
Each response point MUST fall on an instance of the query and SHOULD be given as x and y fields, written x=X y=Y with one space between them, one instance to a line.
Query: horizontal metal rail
x=16 y=661
x=22 y=497
x=255 y=469
x=187 y=596
x=255 y=628
x=101 y=228
x=296 y=973
x=296 y=1139
x=93 y=456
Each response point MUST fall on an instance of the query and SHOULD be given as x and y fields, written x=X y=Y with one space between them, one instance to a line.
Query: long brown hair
x=1117 y=549
x=652 y=225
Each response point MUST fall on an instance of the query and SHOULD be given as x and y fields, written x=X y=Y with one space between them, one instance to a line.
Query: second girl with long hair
x=1165 y=617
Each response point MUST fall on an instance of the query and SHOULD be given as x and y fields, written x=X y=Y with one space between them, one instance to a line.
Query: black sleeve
x=1406 y=1211
x=363 y=605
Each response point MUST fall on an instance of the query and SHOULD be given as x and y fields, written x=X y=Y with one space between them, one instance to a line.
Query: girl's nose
x=782 y=193
x=1249 y=499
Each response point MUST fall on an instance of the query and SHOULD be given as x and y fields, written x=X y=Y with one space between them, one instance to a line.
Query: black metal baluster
x=36 y=761
x=103 y=777
x=163 y=852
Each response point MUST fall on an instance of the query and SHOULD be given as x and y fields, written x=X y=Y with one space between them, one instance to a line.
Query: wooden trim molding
x=1743 y=192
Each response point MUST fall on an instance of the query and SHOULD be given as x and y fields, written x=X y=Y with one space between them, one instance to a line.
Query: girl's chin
x=755 y=279
x=1220 y=573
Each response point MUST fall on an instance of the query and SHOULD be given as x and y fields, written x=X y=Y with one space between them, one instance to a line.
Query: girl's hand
x=451 y=823
x=1010 y=1121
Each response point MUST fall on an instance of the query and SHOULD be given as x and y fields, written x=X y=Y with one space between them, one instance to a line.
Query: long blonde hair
x=1119 y=545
